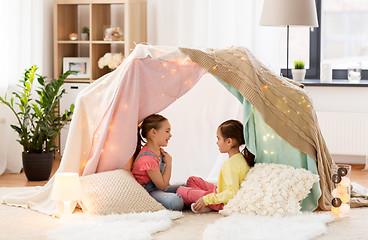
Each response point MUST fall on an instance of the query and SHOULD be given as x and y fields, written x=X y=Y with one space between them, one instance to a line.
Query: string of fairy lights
x=341 y=192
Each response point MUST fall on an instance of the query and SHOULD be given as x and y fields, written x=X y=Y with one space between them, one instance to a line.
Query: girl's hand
x=166 y=157
x=199 y=205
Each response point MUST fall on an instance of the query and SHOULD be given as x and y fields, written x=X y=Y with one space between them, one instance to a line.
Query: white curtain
x=26 y=39
x=207 y=24
x=213 y=24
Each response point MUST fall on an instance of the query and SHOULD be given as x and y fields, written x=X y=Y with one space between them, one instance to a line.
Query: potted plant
x=38 y=121
x=299 y=71
x=85 y=33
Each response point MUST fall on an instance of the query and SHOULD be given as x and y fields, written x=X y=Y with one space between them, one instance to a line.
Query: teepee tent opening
x=279 y=119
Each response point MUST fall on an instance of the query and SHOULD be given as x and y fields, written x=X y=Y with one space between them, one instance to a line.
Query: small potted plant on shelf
x=38 y=121
x=85 y=33
x=299 y=71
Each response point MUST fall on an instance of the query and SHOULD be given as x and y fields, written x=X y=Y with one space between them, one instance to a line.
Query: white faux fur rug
x=36 y=226
x=239 y=226
x=124 y=226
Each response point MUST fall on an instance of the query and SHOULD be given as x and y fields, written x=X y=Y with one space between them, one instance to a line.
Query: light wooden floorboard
x=20 y=180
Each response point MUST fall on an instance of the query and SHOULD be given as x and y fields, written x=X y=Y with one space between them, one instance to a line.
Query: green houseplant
x=85 y=33
x=38 y=121
x=298 y=72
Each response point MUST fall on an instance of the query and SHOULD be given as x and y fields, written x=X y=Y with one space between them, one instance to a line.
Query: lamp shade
x=66 y=187
x=289 y=12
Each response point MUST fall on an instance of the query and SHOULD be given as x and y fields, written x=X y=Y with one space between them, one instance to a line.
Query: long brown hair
x=152 y=121
x=234 y=129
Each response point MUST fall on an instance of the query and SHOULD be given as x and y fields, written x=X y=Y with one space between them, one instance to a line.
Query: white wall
x=340 y=99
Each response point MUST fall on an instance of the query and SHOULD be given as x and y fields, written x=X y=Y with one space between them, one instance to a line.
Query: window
x=341 y=38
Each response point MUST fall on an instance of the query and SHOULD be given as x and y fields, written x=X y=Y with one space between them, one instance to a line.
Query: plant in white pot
x=38 y=121
x=85 y=34
x=299 y=71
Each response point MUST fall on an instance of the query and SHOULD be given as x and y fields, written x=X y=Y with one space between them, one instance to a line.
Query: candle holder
x=73 y=36
x=341 y=191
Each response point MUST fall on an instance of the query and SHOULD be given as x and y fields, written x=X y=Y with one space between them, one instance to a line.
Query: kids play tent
x=279 y=119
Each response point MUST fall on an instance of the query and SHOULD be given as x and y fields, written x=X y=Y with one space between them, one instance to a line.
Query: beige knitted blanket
x=284 y=104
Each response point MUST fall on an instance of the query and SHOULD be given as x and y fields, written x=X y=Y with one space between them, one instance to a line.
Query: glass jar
x=354 y=72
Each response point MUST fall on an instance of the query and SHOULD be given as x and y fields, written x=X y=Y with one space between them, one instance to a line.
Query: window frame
x=315 y=54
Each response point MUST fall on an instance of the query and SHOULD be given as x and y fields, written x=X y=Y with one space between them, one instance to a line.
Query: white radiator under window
x=345 y=133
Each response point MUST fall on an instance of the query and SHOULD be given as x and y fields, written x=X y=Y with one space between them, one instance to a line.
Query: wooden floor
x=20 y=180
x=359 y=175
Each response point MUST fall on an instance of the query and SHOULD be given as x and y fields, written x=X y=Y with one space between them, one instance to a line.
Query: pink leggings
x=195 y=189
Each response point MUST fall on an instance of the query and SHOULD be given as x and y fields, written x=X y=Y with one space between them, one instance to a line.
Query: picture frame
x=79 y=64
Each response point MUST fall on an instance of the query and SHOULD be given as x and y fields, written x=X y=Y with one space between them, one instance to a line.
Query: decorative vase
x=298 y=74
x=37 y=166
x=341 y=191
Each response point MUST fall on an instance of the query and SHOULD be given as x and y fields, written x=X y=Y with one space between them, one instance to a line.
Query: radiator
x=345 y=133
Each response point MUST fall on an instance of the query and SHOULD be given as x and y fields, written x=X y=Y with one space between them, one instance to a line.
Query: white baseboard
x=349 y=159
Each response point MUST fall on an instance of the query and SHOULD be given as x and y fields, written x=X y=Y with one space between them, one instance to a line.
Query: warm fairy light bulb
x=335 y=211
x=164 y=64
x=214 y=68
x=341 y=190
x=336 y=178
x=345 y=198
x=345 y=208
x=336 y=202
x=334 y=193
x=345 y=182
x=342 y=171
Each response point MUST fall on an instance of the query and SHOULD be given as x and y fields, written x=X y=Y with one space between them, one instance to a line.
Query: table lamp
x=67 y=188
x=289 y=13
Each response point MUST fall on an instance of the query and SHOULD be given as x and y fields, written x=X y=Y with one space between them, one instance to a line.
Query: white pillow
x=115 y=192
x=272 y=189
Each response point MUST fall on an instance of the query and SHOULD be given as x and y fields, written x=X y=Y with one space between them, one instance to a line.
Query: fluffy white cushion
x=272 y=189
x=115 y=192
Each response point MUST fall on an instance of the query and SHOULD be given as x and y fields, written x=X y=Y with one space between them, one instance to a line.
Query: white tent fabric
x=194 y=121
x=103 y=132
